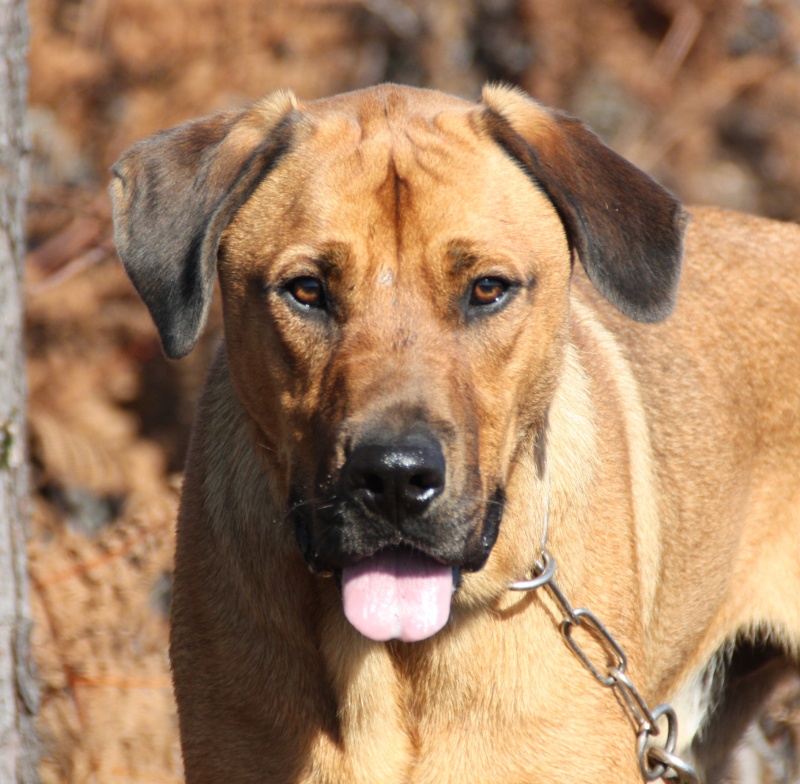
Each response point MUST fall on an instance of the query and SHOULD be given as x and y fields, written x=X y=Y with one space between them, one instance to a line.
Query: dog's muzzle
x=395 y=538
x=397 y=593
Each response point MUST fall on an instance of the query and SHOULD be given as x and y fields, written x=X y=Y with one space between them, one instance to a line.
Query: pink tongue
x=397 y=594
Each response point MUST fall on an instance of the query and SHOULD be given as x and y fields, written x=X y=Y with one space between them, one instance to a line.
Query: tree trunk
x=18 y=692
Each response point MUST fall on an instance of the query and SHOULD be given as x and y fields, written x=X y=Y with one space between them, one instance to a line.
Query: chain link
x=587 y=620
x=655 y=762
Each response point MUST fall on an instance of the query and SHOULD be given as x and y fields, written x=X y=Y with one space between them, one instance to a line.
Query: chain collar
x=655 y=761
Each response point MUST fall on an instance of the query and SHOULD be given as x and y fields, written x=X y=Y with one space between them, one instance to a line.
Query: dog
x=465 y=344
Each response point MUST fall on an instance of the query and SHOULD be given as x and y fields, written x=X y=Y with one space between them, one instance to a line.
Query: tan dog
x=414 y=368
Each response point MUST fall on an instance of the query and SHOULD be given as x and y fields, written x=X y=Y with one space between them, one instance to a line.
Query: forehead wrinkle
x=433 y=143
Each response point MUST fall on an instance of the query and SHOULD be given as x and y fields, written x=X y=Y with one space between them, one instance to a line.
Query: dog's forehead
x=407 y=127
x=406 y=147
x=390 y=167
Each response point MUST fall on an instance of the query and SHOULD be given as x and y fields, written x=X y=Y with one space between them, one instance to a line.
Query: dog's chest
x=449 y=712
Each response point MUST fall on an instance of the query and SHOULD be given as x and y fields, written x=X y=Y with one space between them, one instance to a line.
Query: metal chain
x=655 y=762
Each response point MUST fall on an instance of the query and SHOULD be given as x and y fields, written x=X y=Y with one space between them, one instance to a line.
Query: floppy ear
x=626 y=229
x=174 y=194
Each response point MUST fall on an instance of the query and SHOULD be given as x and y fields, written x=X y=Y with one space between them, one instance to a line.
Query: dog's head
x=395 y=267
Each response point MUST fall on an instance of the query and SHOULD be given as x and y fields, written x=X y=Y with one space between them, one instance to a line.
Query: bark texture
x=18 y=692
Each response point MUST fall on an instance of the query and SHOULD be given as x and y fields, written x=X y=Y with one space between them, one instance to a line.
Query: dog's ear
x=626 y=229
x=174 y=194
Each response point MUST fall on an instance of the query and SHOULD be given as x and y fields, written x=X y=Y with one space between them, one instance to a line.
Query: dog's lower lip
x=322 y=569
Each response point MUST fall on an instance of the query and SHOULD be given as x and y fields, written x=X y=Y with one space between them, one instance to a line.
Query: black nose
x=397 y=480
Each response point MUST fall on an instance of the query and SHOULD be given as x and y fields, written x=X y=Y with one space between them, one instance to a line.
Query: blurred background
x=704 y=95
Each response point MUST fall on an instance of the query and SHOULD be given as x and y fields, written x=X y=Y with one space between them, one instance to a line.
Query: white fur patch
x=695 y=701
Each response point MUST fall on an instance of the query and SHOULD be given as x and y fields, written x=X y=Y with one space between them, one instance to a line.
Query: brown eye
x=307 y=291
x=488 y=291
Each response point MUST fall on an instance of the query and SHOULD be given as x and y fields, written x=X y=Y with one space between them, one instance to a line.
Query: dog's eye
x=487 y=291
x=307 y=291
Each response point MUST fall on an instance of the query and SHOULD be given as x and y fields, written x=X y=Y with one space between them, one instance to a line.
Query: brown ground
x=705 y=95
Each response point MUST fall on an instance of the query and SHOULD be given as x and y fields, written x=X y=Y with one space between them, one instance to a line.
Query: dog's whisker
x=297 y=505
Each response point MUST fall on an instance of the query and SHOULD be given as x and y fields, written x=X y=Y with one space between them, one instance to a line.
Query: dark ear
x=174 y=194
x=626 y=229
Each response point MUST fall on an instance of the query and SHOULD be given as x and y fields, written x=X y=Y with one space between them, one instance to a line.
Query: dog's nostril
x=422 y=481
x=373 y=483
x=425 y=485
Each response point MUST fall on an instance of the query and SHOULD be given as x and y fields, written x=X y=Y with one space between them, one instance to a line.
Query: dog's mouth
x=397 y=577
x=398 y=594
